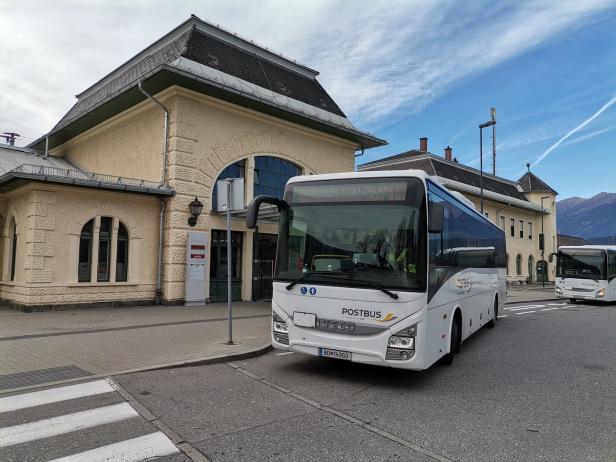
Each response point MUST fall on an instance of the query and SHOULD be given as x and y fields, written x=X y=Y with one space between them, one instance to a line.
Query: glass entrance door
x=218 y=266
x=264 y=255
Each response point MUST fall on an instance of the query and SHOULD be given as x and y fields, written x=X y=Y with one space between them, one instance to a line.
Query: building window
x=518 y=265
x=530 y=230
x=507 y=263
x=104 y=250
x=502 y=223
x=85 y=252
x=105 y=240
x=521 y=229
x=13 y=249
x=272 y=174
x=122 y=255
x=236 y=170
x=487 y=215
x=512 y=227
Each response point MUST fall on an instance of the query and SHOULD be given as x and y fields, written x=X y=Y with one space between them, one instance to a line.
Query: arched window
x=122 y=255
x=272 y=174
x=102 y=240
x=236 y=170
x=531 y=268
x=13 y=231
x=85 y=252
x=518 y=265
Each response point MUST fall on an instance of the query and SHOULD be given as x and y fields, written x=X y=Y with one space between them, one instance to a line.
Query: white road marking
x=525 y=312
x=133 y=450
x=503 y=316
x=65 y=424
x=524 y=308
x=556 y=304
x=54 y=395
x=550 y=309
x=285 y=353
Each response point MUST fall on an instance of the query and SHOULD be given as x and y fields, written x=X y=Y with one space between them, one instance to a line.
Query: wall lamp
x=195 y=210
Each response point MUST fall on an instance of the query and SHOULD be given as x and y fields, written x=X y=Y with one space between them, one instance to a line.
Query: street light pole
x=543 y=265
x=481 y=127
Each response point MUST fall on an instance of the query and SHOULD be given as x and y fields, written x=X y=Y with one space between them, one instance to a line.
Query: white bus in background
x=385 y=268
x=586 y=272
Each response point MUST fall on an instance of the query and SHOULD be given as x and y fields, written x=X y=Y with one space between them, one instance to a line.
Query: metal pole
x=543 y=265
x=481 y=165
x=494 y=148
x=229 y=261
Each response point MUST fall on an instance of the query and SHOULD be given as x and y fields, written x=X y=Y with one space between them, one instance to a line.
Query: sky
x=399 y=70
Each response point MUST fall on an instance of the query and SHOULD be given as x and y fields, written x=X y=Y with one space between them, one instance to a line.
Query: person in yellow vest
x=401 y=260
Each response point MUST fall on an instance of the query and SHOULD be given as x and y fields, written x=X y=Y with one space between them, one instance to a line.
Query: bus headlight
x=281 y=334
x=406 y=343
x=401 y=345
x=559 y=291
x=600 y=293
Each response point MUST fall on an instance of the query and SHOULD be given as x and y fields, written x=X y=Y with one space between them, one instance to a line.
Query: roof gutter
x=163 y=178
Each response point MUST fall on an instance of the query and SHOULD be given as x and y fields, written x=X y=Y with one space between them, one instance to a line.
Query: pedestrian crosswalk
x=535 y=308
x=43 y=420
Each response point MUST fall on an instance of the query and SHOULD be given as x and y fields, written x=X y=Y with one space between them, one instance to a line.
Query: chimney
x=423 y=144
x=448 y=153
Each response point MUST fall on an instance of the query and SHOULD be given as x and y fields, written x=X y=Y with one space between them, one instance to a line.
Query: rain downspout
x=163 y=181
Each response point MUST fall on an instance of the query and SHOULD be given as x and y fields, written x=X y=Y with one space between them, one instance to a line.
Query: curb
x=261 y=350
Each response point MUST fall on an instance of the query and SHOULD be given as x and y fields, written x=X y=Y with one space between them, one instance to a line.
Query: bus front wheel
x=492 y=321
x=454 y=339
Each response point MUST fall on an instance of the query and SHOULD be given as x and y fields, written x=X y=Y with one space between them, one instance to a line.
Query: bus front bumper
x=365 y=349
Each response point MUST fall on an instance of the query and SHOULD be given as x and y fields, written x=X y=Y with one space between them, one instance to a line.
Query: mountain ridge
x=592 y=218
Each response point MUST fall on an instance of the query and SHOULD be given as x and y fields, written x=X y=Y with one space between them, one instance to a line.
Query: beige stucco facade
x=205 y=136
x=526 y=244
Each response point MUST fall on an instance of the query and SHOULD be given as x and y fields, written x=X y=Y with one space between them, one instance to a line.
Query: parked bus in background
x=586 y=272
x=385 y=268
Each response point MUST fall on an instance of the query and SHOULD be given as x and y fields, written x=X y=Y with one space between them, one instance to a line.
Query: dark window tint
x=611 y=264
x=122 y=255
x=236 y=170
x=85 y=252
x=104 y=250
x=272 y=174
x=466 y=241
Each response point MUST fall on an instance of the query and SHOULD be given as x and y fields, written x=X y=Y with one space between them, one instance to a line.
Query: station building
x=96 y=211
x=520 y=208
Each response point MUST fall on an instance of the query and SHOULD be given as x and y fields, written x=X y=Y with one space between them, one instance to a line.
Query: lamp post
x=481 y=127
x=542 y=243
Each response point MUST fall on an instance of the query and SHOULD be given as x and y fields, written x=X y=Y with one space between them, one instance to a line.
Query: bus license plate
x=327 y=353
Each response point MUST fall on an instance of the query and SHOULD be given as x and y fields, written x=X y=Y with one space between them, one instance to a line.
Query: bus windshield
x=355 y=233
x=581 y=264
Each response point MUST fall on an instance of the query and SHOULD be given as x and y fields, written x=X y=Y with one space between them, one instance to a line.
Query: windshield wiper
x=339 y=273
x=304 y=276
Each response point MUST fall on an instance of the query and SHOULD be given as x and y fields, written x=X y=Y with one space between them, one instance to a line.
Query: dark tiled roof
x=231 y=60
x=531 y=183
x=435 y=165
x=214 y=52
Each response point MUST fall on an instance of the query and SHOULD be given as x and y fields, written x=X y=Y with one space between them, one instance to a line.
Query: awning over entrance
x=267 y=214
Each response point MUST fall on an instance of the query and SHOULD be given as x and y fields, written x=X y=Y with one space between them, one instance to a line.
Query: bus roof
x=588 y=247
x=369 y=174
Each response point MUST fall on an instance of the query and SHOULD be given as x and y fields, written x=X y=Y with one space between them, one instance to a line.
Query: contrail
x=603 y=108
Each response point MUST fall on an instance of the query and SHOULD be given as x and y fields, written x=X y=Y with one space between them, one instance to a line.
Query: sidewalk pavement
x=57 y=346
x=530 y=294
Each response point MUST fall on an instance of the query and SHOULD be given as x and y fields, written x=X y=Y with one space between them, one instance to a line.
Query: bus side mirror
x=436 y=214
x=255 y=204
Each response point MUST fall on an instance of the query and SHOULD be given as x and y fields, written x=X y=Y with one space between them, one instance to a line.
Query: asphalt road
x=541 y=386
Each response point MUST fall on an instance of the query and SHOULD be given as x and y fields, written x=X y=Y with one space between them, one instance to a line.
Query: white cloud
x=378 y=59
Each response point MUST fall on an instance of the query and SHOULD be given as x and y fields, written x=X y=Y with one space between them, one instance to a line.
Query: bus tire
x=572 y=300
x=492 y=323
x=454 y=339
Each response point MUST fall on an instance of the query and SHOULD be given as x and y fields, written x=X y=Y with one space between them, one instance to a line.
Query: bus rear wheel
x=572 y=300
x=455 y=340
x=492 y=323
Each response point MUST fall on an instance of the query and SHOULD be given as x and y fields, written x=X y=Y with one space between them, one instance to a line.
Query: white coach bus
x=586 y=272
x=385 y=268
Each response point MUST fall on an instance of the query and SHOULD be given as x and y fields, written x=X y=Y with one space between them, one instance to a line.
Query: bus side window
x=611 y=265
